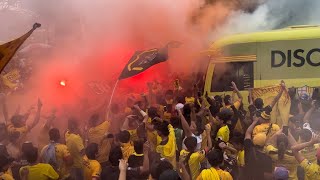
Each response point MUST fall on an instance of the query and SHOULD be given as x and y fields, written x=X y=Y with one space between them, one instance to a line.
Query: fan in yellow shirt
x=191 y=158
x=166 y=143
x=56 y=154
x=281 y=156
x=96 y=134
x=18 y=122
x=75 y=145
x=38 y=171
x=266 y=126
x=215 y=158
x=92 y=168
x=312 y=170
x=223 y=117
x=126 y=146
x=237 y=142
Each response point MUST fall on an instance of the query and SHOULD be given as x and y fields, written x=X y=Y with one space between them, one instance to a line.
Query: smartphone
x=285 y=130
x=165 y=109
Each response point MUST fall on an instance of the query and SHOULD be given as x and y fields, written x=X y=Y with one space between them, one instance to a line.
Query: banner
x=8 y=49
x=281 y=110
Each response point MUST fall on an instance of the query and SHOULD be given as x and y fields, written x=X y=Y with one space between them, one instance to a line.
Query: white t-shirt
x=199 y=141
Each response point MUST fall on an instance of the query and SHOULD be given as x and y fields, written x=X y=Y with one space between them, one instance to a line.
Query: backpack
x=49 y=155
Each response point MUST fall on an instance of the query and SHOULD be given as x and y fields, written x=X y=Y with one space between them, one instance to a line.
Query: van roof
x=288 y=33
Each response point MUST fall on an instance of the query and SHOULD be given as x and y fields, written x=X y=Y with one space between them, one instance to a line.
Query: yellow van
x=265 y=58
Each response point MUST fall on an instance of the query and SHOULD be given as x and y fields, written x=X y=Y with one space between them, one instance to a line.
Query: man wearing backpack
x=56 y=154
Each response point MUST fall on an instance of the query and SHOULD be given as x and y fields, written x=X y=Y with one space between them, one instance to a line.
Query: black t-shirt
x=110 y=173
x=256 y=162
x=134 y=174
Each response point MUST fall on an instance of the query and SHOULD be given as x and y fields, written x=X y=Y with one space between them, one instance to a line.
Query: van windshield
x=224 y=73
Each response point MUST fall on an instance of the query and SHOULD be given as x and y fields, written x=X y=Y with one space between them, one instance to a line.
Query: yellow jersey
x=92 y=168
x=168 y=150
x=41 y=172
x=127 y=150
x=62 y=152
x=288 y=161
x=311 y=170
x=75 y=145
x=96 y=135
x=223 y=133
x=194 y=162
x=209 y=174
x=224 y=175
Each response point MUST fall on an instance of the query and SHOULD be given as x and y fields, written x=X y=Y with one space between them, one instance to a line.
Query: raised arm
x=298 y=147
x=146 y=149
x=185 y=125
x=37 y=117
x=251 y=127
x=235 y=88
x=307 y=116
x=276 y=99
x=250 y=97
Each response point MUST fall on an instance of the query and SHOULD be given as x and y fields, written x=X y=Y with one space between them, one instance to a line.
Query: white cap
x=179 y=106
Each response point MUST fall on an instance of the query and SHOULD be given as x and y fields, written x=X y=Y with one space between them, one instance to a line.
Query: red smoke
x=91 y=52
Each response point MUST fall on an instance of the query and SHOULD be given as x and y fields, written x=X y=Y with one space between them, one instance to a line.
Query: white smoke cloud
x=270 y=14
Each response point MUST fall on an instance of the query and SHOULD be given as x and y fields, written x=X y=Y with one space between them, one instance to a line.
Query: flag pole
x=111 y=98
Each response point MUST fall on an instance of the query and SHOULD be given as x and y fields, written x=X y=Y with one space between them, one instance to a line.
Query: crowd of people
x=178 y=133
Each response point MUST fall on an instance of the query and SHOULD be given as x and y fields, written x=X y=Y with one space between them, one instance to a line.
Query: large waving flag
x=280 y=112
x=8 y=49
x=142 y=60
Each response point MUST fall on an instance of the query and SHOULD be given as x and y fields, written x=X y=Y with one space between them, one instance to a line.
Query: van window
x=224 y=73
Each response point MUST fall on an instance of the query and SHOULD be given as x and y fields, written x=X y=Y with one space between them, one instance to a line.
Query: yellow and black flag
x=142 y=60
x=8 y=49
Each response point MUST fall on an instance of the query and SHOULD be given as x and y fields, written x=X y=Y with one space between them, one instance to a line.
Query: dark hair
x=124 y=136
x=157 y=168
x=305 y=135
x=16 y=119
x=180 y=99
x=215 y=157
x=258 y=103
x=200 y=125
x=187 y=113
x=226 y=100
x=91 y=151
x=225 y=115
x=115 y=155
x=138 y=146
x=175 y=122
x=153 y=112
x=282 y=145
x=218 y=99
x=191 y=144
x=163 y=128
x=237 y=138
x=32 y=155
x=54 y=134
